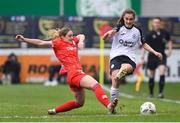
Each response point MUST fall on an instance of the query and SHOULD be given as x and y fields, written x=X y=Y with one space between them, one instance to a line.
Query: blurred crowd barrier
x=35 y=64
x=35 y=61
x=37 y=27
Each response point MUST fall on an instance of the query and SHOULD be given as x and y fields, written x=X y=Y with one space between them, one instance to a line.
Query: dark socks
x=151 y=86
x=161 y=83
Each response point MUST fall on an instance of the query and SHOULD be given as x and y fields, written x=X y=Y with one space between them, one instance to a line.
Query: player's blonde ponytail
x=53 y=33
x=58 y=32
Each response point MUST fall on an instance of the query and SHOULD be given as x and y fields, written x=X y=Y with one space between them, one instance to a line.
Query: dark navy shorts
x=116 y=63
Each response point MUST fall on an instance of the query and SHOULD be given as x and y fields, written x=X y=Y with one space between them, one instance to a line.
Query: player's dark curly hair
x=127 y=11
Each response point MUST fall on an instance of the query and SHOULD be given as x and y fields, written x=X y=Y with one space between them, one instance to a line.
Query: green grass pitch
x=29 y=103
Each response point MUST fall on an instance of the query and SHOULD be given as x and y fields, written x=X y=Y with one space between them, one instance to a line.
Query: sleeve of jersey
x=147 y=38
x=76 y=40
x=54 y=42
x=142 y=39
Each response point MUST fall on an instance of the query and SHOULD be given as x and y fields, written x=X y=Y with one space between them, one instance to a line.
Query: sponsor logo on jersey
x=127 y=43
x=71 y=48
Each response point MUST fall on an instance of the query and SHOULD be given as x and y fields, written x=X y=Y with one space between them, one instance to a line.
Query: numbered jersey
x=126 y=41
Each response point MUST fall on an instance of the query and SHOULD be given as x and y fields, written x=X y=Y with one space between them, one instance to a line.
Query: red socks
x=67 y=106
x=100 y=95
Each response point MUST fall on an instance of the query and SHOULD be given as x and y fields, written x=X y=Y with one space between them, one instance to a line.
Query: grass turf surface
x=29 y=103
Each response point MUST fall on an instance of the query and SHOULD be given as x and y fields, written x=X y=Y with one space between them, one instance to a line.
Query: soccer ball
x=147 y=108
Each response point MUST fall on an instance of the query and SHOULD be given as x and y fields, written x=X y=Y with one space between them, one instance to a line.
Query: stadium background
x=34 y=18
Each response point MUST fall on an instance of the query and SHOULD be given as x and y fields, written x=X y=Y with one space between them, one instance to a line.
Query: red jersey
x=67 y=53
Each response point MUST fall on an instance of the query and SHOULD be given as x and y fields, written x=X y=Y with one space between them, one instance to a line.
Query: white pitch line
x=23 y=117
x=132 y=97
x=59 y=116
x=172 y=101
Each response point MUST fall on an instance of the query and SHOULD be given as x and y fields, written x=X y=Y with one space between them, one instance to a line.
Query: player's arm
x=109 y=34
x=33 y=41
x=81 y=38
x=169 y=45
x=151 y=50
x=143 y=52
x=145 y=40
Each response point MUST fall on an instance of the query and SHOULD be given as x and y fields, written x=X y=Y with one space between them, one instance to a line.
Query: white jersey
x=126 y=41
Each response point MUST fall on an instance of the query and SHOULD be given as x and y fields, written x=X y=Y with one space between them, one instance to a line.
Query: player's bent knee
x=114 y=78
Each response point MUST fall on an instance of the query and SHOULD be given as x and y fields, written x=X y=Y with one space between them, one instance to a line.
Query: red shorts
x=73 y=78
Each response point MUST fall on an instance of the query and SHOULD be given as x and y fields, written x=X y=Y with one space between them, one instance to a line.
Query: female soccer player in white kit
x=127 y=38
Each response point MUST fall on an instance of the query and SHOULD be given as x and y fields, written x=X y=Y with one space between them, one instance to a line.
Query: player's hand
x=105 y=36
x=159 y=55
x=19 y=38
x=108 y=34
x=81 y=45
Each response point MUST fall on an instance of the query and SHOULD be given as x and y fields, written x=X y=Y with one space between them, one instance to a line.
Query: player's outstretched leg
x=79 y=102
x=91 y=83
x=64 y=107
x=102 y=97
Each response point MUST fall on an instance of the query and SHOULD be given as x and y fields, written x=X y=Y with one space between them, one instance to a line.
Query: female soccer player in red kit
x=65 y=47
